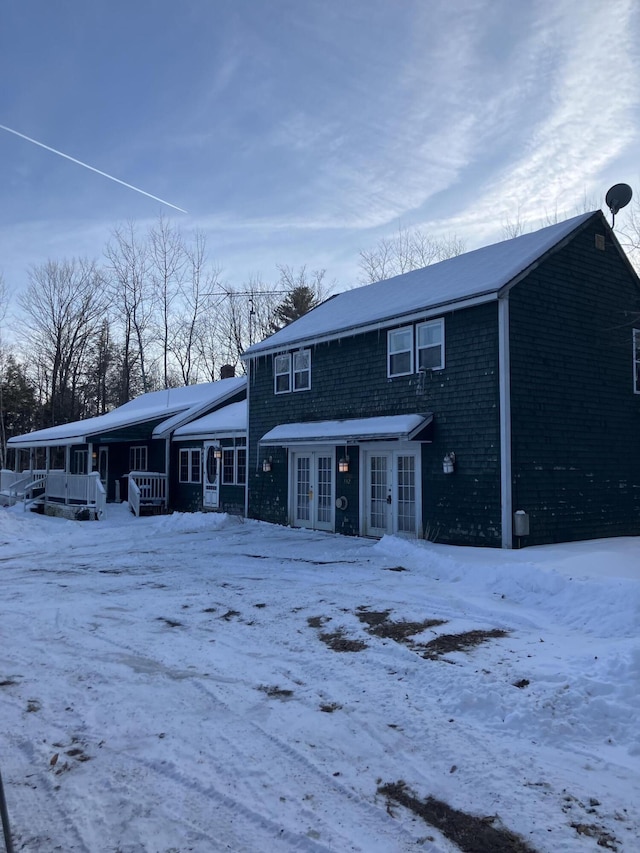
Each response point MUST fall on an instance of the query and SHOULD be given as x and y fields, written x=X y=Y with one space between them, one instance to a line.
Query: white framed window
x=138 y=458
x=241 y=465
x=234 y=466
x=400 y=351
x=430 y=345
x=302 y=370
x=190 y=465
x=79 y=462
x=636 y=361
x=228 y=465
x=282 y=373
x=292 y=371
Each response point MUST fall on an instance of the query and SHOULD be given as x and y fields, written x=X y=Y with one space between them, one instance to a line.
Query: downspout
x=504 y=372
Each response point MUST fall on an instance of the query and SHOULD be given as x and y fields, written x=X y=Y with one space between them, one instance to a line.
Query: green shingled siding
x=349 y=380
x=575 y=418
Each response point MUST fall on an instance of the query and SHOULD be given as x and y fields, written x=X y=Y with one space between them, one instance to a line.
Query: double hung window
x=413 y=348
x=400 y=348
x=190 y=466
x=234 y=465
x=430 y=345
x=292 y=371
x=138 y=458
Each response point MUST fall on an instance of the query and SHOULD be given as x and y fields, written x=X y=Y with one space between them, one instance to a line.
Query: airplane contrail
x=92 y=168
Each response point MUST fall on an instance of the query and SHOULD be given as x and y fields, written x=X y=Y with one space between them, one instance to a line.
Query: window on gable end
x=302 y=370
x=282 y=373
x=400 y=351
x=430 y=344
x=636 y=361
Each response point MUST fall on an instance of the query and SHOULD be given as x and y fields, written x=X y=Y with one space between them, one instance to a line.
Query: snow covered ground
x=185 y=683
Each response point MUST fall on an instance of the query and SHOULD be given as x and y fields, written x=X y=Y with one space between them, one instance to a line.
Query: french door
x=391 y=492
x=312 y=486
x=211 y=478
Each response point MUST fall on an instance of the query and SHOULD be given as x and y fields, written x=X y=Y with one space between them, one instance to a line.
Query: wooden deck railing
x=146 y=488
x=79 y=489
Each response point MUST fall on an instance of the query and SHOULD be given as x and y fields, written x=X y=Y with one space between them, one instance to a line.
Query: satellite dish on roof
x=616 y=198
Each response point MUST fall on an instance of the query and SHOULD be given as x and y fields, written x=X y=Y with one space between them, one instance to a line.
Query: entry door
x=211 y=479
x=312 y=491
x=391 y=497
x=103 y=465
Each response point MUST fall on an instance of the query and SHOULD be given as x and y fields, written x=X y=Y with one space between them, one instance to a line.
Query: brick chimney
x=227 y=371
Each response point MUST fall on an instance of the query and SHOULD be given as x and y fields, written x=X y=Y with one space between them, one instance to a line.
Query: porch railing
x=79 y=489
x=146 y=488
x=14 y=482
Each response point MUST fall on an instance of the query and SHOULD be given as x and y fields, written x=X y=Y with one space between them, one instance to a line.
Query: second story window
x=430 y=344
x=292 y=371
x=400 y=351
x=414 y=348
x=302 y=370
x=282 y=373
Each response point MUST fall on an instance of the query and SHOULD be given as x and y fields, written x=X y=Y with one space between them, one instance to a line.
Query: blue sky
x=301 y=131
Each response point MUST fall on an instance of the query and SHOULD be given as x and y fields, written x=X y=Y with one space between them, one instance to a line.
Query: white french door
x=312 y=478
x=211 y=478
x=391 y=492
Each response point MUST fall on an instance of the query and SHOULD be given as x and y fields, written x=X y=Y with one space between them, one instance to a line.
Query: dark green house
x=209 y=469
x=126 y=450
x=490 y=399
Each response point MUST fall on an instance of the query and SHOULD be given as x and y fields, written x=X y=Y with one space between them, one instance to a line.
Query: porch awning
x=388 y=428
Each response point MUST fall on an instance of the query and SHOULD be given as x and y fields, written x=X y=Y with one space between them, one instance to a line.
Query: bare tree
x=132 y=304
x=195 y=329
x=405 y=251
x=62 y=309
x=168 y=261
x=629 y=232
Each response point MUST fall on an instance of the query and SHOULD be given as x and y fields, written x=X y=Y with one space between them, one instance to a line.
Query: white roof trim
x=385 y=428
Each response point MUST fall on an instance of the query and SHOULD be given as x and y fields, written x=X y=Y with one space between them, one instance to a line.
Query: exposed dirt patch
x=470 y=833
x=448 y=643
x=339 y=642
x=317 y=621
x=7 y=682
x=171 y=623
x=275 y=692
x=524 y=682
x=603 y=838
x=330 y=707
x=380 y=625
x=395 y=569
x=209 y=610
x=230 y=614
x=33 y=705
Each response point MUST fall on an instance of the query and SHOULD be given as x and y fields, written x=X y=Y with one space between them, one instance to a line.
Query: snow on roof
x=478 y=273
x=181 y=403
x=351 y=429
x=228 y=420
